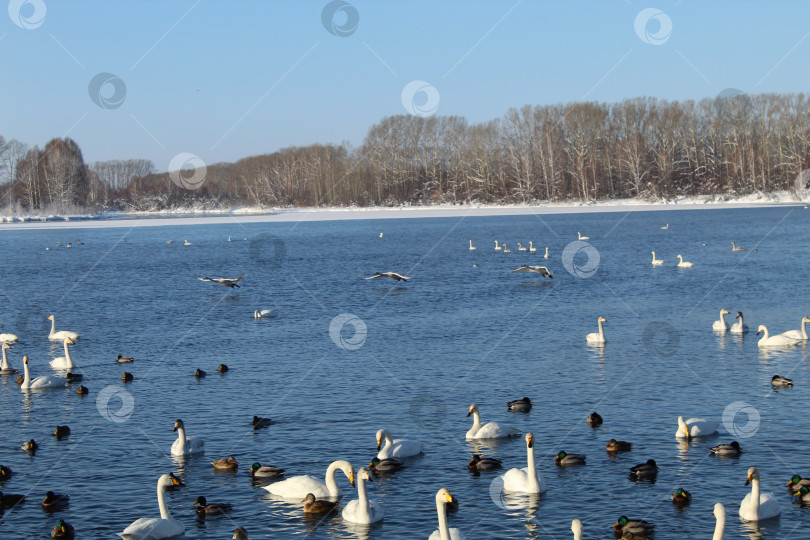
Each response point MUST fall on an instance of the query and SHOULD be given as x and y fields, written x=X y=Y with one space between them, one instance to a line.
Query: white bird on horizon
x=392 y=275
x=665 y=227
x=225 y=282
x=580 y=237
x=542 y=270
x=472 y=247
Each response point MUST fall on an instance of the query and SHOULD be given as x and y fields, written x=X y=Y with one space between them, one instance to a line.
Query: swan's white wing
x=375 y=276
x=297 y=487
x=455 y=534
x=401 y=448
x=523 y=268
x=204 y=278
x=701 y=427
x=493 y=430
x=153 y=528
x=793 y=334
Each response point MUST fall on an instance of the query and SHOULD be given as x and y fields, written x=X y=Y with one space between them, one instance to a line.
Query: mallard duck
x=5 y=473
x=633 y=528
x=10 y=500
x=477 y=463
x=645 y=470
x=618 y=446
x=386 y=465
x=63 y=529
x=797 y=482
x=127 y=377
x=776 y=380
x=55 y=501
x=681 y=497
x=213 y=509
x=30 y=446
x=311 y=506
x=222 y=368
x=124 y=359
x=19 y=379
x=200 y=373
x=61 y=431
x=521 y=405
x=259 y=422
x=257 y=471
x=74 y=377
x=731 y=449
x=564 y=459
x=594 y=419
x=240 y=533
x=225 y=463
x=803 y=494
x=82 y=390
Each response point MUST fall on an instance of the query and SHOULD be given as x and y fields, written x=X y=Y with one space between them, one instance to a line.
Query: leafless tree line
x=643 y=147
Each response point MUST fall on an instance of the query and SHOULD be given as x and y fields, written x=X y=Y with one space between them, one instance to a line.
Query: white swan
x=262 y=313
x=521 y=248
x=506 y=249
x=396 y=448
x=64 y=362
x=720 y=528
x=735 y=247
x=779 y=340
x=9 y=338
x=490 y=430
x=187 y=243
x=497 y=247
x=720 y=325
x=576 y=527
x=298 y=487
x=62 y=334
x=531 y=246
x=665 y=227
x=656 y=262
x=443 y=532
x=472 y=247
x=185 y=446
x=739 y=327
x=362 y=510
x=683 y=264
x=155 y=528
x=600 y=336
x=695 y=427
x=580 y=237
x=757 y=506
x=46 y=381
x=527 y=479
x=798 y=334
x=5 y=366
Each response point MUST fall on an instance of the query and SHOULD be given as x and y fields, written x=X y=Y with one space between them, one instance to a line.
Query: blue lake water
x=454 y=335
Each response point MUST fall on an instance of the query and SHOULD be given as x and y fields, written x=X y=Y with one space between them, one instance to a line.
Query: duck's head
x=527 y=400
x=753 y=474
x=310 y=498
x=255 y=467
x=61 y=526
x=804 y=490
x=473 y=409
x=560 y=457
x=795 y=479
x=178 y=424
x=680 y=492
x=201 y=501
x=175 y=481
x=622 y=521
x=49 y=497
x=374 y=463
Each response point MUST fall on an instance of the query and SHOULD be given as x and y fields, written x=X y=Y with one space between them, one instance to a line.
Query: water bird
x=55 y=501
x=472 y=248
x=61 y=431
x=391 y=275
x=127 y=377
x=531 y=247
x=497 y=247
x=580 y=237
x=5 y=473
x=200 y=373
x=79 y=243
x=64 y=362
x=225 y=282
x=229 y=238
x=477 y=463
x=521 y=405
x=82 y=390
x=212 y=509
x=490 y=430
x=798 y=334
x=665 y=227
x=720 y=525
x=157 y=528
x=187 y=243
x=594 y=419
x=633 y=528
x=227 y=464
x=720 y=325
x=649 y=469
x=11 y=339
x=362 y=510
x=731 y=449
x=681 y=497
x=387 y=465
x=443 y=498
x=314 y=506
x=30 y=446
x=222 y=368
x=5 y=365
x=40 y=383
x=506 y=249
x=778 y=340
x=546 y=256
x=735 y=247
x=10 y=500
x=259 y=422
x=576 y=528
x=597 y=337
x=527 y=479
x=779 y=381
x=695 y=427
x=73 y=377
x=521 y=248
x=395 y=448
x=656 y=262
x=257 y=471
x=541 y=270
x=618 y=446
x=262 y=313
x=739 y=327
x=564 y=460
x=797 y=482
x=63 y=529
x=61 y=334
x=298 y=486
x=185 y=446
x=124 y=359
x=381 y=235
x=757 y=506
x=683 y=264
x=170 y=241
x=69 y=245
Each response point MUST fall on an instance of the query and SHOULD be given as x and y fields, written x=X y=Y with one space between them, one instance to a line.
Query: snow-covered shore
x=275 y=215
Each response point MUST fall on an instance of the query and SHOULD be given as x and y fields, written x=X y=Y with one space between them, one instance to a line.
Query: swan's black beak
x=531 y=442
x=351 y=479
x=469 y=413
x=379 y=445
x=748 y=481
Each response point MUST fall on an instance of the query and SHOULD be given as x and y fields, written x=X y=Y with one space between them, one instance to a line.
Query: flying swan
x=542 y=270
x=62 y=334
x=225 y=282
x=156 y=528
x=298 y=487
x=392 y=275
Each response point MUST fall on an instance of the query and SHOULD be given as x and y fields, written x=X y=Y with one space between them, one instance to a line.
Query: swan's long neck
x=389 y=442
x=533 y=483
x=331 y=482
x=765 y=335
x=476 y=421
x=363 y=508
x=755 y=497
x=5 y=365
x=68 y=361
x=444 y=531
x=181 y=436
x=804 y=336
x=27 y=378
x=723 y=318
x=720 y=528
x=601 y=330
x=578 y=533
x=164 y=510
x=53 y=328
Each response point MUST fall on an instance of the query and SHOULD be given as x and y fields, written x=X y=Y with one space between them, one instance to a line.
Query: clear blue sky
x=225 y=80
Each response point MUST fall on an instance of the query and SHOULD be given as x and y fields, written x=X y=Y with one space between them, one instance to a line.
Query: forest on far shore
x=644 y=147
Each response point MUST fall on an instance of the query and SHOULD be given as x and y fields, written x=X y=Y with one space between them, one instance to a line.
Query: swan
x=185 y=446
x=5 y=366
x=443 y=498
x=542 y=270
x=798 y=334
x=225 y=282
x=472 y=247
x=506 y=249
x=490 y=430
x=298 y=487
x=62 y=334
x=720 y=325
x=154 y=528
x=734 y=247
x=531 y=246
x=665 y=227
x=546 y=256
x=526 y=480
x=521 y=248
x=720 y=528
x=362 y=510
x=497 y=247
x=775 y=341
x=580 y=237
x=757 y=506
x=396 y=448
x=695 y=427
x=656 y=262
x=599 y=337
x=64 y=362
x=392 y=275
x=11 y=339
x=187 y=243
x=576 y=527
x=45 y=381
x=262 y=313
x=739 y=327
x=683 y=264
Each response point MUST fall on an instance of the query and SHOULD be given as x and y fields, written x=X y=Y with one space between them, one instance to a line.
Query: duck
x=313 y=506
x=720 y=525
x=681 y=497
x=396 y=448
x=387 y=465
x=656 y=262
x=618 y=446
x=5 y=473
x=800 y=334
x=10 y=500
x=258 y=472
x=803 y=494
x=695 y=427
x=541 y=270
x=214 y=509
x=262 y=313
x=156 y=528
x=222 y=368
x=82 y=390
x=521 y=405
x=62 y=334
x=5 y=366
x=73 y=377
x=443 y=498
x=594 y=419
x=683 y=263
x=757 y=506
x=11 y=339
x=778 y=340
x=580 y=237
x=720 y=325
x=490 y=430
x=64 y=362
x=185 y=446
x=63 y=529
x=472 y=247
x=527 y=479
x=127 y=377
x=633 y=528
x=240 y=533
x=200 y=373
x=29 y=446
x=521 y=248
x=259 y=422
x=735 y=247
x=298 y=486
x=546 y=256
x=477 y=463
x=731 y=449
x=597 y=338
x=532 y=249
x=55 y=501
x=225 y=282
x=797 y=482
x=506 y=249
x=497 y=247
x=390 y=275
x=644 y=470
x=124 y=359
x=226 y=464
x=564 y=460
x=40 y=383
x=61 y=431
x=362 y=510
x=739 y=327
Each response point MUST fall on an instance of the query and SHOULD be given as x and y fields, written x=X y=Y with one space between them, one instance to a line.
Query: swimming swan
x=443 y=498
x=580 y=237
x=531 y=246
x=62 y=334
x=472 y=248
x=757 y=506
x=185 y=446
x=779 y=340
x=362 y=510
x=695 y=427
x=5 y=366
x=262 y=313
x=506 y=249
x=46 y=381
x=490 y=430
x=298 y=487
x=739 y=327
x=396 y=448
x=525 y=480
x=576 y=527
x=720 y=325
x=521 y=248
x=798 y=334
x=64 y=362
x=656 y=262
x=155 y=528
x=497 y=247
x=734 y=247
x=720 y=528
x=11 y=339
x=683 y=264
x=546 y=256
x=597 y=338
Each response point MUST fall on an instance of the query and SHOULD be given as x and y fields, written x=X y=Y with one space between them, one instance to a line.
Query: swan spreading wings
x=542 y=270
x=225 y=282
x=392 y=275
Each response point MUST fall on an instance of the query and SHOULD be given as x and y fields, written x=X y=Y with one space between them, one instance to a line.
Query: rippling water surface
x=455 y=334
